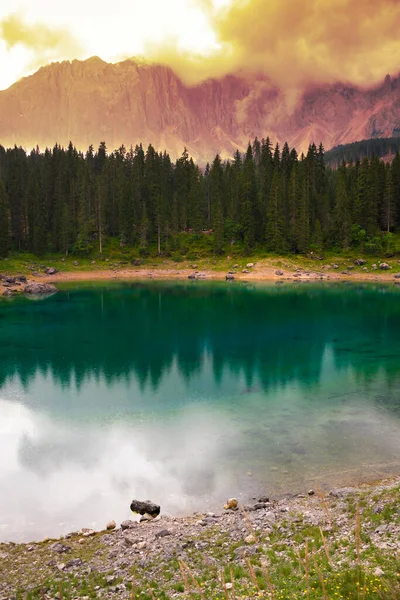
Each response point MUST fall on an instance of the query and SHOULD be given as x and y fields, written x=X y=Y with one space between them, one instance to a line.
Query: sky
x=294 y=43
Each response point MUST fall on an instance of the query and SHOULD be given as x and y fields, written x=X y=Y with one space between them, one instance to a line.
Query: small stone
x=228 y=586
x=74 y=562
x=76 y=264
x=163 y=533
x=141 y=545
x=250 y=265
x=61 y=566
x=81 y=541
x=127 y=541
x=279 y=273
x=311 y=492
x=111 y=525
x=378 y=572
x=230 y=277
x=128 y=525
x=250 y=539
x=264 y=499
x=231 y=504
x=110 y=579
x=60 y=548
x=88 y=532
x=145 y=518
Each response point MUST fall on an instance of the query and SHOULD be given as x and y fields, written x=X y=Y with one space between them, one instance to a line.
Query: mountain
x=131 y=102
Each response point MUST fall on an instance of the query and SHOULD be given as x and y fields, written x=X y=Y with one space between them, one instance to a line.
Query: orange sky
x=294 y=42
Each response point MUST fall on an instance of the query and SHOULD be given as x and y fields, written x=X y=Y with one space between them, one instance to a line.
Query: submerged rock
x=40 y=289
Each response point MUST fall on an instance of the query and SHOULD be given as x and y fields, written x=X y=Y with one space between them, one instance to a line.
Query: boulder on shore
x=145 y=508
x=40 y=289
x=231 y=504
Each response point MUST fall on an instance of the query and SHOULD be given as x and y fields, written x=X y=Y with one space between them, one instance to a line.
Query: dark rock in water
x=51 y=270
x=230 y=277
x=264 y=499
x=261 y=505
x=40 y=289
x=145 y=508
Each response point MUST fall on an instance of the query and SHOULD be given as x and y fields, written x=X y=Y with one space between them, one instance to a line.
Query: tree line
x=380 y=147
x=63 y=200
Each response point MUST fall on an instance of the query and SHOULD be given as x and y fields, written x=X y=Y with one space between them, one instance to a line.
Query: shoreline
x=266 y=531
x=256 y=274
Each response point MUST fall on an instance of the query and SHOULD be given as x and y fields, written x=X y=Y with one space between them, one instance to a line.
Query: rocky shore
x=314 y=545
x=14 y=285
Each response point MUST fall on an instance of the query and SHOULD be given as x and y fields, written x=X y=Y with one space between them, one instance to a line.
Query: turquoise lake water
x=188 y=394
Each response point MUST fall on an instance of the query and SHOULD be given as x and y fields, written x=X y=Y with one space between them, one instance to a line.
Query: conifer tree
x=5 y=229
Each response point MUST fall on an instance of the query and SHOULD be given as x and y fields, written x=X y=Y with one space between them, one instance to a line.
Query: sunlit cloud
x=294 y=44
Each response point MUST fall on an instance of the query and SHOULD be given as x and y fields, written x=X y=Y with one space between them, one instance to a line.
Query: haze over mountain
x=131 y=102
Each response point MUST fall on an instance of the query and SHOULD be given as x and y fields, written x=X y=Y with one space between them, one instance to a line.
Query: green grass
x=187 y=250
x=295 y=560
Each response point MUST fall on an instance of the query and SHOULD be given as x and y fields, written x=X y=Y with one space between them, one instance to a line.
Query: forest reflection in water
x=190 y=393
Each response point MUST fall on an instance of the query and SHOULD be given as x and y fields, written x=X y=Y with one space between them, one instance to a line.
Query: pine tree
x=341 y=225
x=5 y=223
x=249 y=199
x=274 y=235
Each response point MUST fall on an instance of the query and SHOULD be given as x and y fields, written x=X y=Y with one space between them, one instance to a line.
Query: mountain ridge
x=134 y=101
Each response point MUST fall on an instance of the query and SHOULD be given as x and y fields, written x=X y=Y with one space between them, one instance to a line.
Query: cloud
x=43 y=42
x=298 y=43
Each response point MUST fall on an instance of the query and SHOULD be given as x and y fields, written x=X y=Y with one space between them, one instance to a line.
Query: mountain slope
x=130 y=102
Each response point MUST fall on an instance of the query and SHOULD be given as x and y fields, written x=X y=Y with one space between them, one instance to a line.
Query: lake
x=190 y=393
